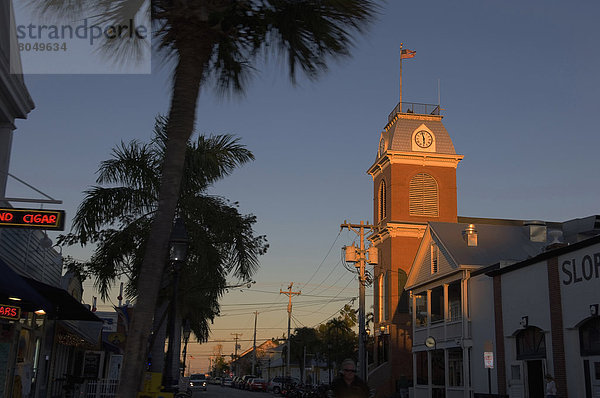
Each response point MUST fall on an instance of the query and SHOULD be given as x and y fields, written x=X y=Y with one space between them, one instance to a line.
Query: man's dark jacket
x=357 y=389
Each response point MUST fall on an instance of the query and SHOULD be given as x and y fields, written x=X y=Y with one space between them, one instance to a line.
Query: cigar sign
x=32 y=218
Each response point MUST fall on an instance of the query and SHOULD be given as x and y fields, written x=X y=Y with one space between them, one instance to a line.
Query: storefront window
x=421 y=309
x=589 y=337
x=455 y=367
x=531 y=344
x=437 y=304
x=422 y=368
x=438 y=368
x=454 y=302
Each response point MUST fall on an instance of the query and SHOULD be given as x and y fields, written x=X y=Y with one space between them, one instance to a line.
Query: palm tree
x=116 y=215
x=219 y=41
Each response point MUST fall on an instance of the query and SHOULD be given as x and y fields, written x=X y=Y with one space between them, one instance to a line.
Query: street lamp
x=186 y=336
x=179 y=243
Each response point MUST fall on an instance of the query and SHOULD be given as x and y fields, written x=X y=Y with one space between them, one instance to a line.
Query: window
x=438 y=368
x=403 y=303
x=455 y=367
x=382 y=201
x=422 y=375
x=381 y=296
x=421 y=309
x=531 y=344
x=589 y=337
x=386 y=296
x=423 y=196
x=437 y=304
x=454 y=302
x=435 y=255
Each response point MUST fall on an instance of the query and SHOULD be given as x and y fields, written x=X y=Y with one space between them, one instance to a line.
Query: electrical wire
x=323 y=261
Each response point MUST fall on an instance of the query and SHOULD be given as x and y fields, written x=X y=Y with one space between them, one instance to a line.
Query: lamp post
x=178 y=253
x=186 y=336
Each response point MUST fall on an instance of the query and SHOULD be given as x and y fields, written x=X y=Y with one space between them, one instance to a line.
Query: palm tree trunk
x=159 y=329
x=186 y=87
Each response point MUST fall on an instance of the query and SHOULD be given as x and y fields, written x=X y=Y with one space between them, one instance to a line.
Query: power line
x=323 y=261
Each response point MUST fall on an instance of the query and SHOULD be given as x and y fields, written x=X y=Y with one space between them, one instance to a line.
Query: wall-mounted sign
x=10 y=312
x=488 y=360
x=33 y=218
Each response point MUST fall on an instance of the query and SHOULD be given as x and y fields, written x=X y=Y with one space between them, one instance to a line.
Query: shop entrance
x=535 y=378
x=591 y=367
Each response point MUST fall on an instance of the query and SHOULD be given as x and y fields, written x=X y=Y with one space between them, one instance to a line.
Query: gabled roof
x=495 y=243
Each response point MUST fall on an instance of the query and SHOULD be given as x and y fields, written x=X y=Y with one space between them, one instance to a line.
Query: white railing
x=101 y=388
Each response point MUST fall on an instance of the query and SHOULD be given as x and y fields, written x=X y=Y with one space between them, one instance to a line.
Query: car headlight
x=203 y=383
x=191 y=384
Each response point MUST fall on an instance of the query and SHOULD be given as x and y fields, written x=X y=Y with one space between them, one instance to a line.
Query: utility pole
x=254 y=344
x=360 y=263
x=289 y=293
x=237 y=365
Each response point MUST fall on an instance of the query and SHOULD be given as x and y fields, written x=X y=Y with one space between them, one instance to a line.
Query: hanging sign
x=33 y=218
x=10 y=312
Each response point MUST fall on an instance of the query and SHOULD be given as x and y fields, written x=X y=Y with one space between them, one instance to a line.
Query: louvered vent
x=382 y=204
x=423 y=197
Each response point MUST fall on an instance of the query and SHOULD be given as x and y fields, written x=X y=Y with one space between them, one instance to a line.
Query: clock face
x=381 y=146
x=430 y=342
x=424 y=139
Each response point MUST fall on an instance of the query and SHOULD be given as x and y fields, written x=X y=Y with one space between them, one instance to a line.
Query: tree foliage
x=116 y=214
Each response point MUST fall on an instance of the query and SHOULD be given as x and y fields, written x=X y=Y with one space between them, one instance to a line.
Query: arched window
x=382 y=201
x=423 y=196
x=531 y=343
x=589 y=337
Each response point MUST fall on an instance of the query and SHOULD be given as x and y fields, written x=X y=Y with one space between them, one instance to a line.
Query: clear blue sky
x=519 y=86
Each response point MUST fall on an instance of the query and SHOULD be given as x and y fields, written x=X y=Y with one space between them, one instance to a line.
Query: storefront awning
x=64 y=306
x=12 y=285
x=35 y=295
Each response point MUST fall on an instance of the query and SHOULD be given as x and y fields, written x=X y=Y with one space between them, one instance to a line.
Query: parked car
x=257 y=384
x=216 y=380
x=244 y=382
x=277 y=383
x=237 y=380
x=226 y=382
x=198 y=381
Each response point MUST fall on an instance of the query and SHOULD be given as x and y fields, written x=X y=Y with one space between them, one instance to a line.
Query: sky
x=518 y=84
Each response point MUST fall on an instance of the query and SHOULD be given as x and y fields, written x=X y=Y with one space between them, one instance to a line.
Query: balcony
x=414 y=107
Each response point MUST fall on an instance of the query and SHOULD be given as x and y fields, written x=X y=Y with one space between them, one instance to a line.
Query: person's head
x=549 y=376
x=348 y=369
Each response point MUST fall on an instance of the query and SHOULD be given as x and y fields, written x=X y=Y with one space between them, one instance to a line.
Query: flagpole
x=400 y=103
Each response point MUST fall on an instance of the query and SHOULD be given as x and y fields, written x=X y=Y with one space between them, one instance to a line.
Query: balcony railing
x=414 y=107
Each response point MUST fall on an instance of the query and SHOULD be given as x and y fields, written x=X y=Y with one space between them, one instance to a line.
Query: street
x=214 y=391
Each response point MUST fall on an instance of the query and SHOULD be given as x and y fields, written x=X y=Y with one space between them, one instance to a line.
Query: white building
x=501 y=290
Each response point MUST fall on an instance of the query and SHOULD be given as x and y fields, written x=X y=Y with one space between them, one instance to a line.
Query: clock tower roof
x=399 y=132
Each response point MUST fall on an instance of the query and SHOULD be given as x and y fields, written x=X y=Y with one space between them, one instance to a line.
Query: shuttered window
x=423 y=196
x=382 y=212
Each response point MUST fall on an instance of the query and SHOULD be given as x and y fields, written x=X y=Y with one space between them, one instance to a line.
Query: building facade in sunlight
x=414 y=181
x=464 y=305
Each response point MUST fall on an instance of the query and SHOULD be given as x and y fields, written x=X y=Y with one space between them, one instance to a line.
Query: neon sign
x=32 y=218
x=10 y=312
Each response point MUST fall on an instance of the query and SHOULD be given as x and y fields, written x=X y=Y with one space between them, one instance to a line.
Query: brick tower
x=414 y=181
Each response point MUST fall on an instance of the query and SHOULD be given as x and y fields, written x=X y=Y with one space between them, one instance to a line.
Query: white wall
x=481 y=304
x=577 y=294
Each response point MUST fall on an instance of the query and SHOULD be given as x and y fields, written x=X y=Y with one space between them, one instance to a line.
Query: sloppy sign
x=488 y=360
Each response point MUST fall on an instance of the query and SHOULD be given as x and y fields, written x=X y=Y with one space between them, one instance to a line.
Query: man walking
x=348 y=385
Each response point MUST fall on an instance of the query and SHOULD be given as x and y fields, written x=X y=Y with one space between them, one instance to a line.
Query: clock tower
x=414 y=181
